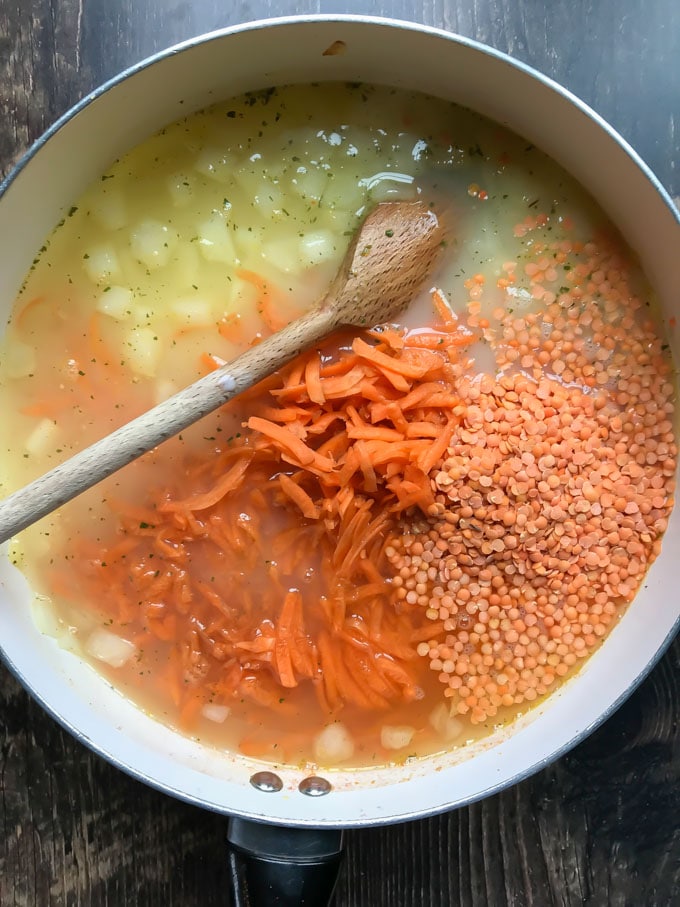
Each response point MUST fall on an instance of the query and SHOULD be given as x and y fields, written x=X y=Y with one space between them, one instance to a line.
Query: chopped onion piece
x=344 y=193
x=396 y=737
x=40 y=440
x=187 y=267
x=143 y=351
x=101 y=264
x=318 y=246
x=20 y=359
x=445 y=724
x=214 y=239
x=116 y=302
x=152 y=242
x=268 y=200
x=283 y=254
x=215 y=164
x=310 y=182
x=109 y=210
x=110 y=648
x=340 y=221
x=165 y=388
x=248 y=240
x=45 y=617
x=520 y=298
x=216 y=713
x=193 y=310
x=333 y=744
x=181 y=189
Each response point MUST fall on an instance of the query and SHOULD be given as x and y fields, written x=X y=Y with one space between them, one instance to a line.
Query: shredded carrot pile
x=264 y=568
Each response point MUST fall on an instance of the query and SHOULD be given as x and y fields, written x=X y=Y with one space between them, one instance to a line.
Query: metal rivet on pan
x=267 y=782
x=314 y=786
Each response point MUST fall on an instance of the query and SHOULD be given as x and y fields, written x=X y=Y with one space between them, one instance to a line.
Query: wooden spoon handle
x=124 y=445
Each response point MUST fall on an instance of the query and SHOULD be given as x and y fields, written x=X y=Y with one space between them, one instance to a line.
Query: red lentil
x=557 y=484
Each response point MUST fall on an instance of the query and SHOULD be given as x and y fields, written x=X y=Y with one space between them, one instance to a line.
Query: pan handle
x=286 y=867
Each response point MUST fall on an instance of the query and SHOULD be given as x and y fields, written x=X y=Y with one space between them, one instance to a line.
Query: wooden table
x=600 y=826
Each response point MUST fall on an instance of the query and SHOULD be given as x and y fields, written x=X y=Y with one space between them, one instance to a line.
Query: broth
x=219 y=230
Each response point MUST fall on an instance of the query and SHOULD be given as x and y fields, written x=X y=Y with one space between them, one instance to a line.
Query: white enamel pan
x=214 y=67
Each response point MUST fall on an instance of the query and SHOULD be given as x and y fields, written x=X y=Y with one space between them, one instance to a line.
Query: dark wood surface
x=600 y=826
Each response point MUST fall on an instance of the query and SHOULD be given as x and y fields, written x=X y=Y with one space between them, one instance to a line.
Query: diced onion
x=110 y=648
x=310 y=182
x=318 y=246
x=260 y=188
x=181 y=189
x=248 y=240
x=193 y=310
x=216 y=713
x=109 y=210
x=283 y=254
x=19 y=360
x=152 y=243
x=143 y=351
x=116 y=302
x=101 y=264
x=334 y=744
x=41 y=439
x=186 y=265
x=445 y=724
x=521 y=298
x=268 y=199
x=164 y=388
x=341 y=222
x=214 y=239
x=396 y=737
x=45 y=617
x=216 y=164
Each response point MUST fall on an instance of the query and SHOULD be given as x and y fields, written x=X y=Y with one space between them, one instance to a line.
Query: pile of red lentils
x=557 y=485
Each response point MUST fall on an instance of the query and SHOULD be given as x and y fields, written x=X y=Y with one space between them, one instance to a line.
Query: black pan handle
x=275 y=866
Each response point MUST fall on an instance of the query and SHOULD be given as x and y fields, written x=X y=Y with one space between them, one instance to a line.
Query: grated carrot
x=339 y=445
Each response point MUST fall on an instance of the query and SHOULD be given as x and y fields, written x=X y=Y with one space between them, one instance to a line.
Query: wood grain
x=598 y=827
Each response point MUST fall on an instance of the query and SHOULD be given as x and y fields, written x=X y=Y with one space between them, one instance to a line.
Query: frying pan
x=299 y=863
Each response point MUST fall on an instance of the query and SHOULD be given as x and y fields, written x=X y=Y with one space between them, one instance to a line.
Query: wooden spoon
x=387 y=262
